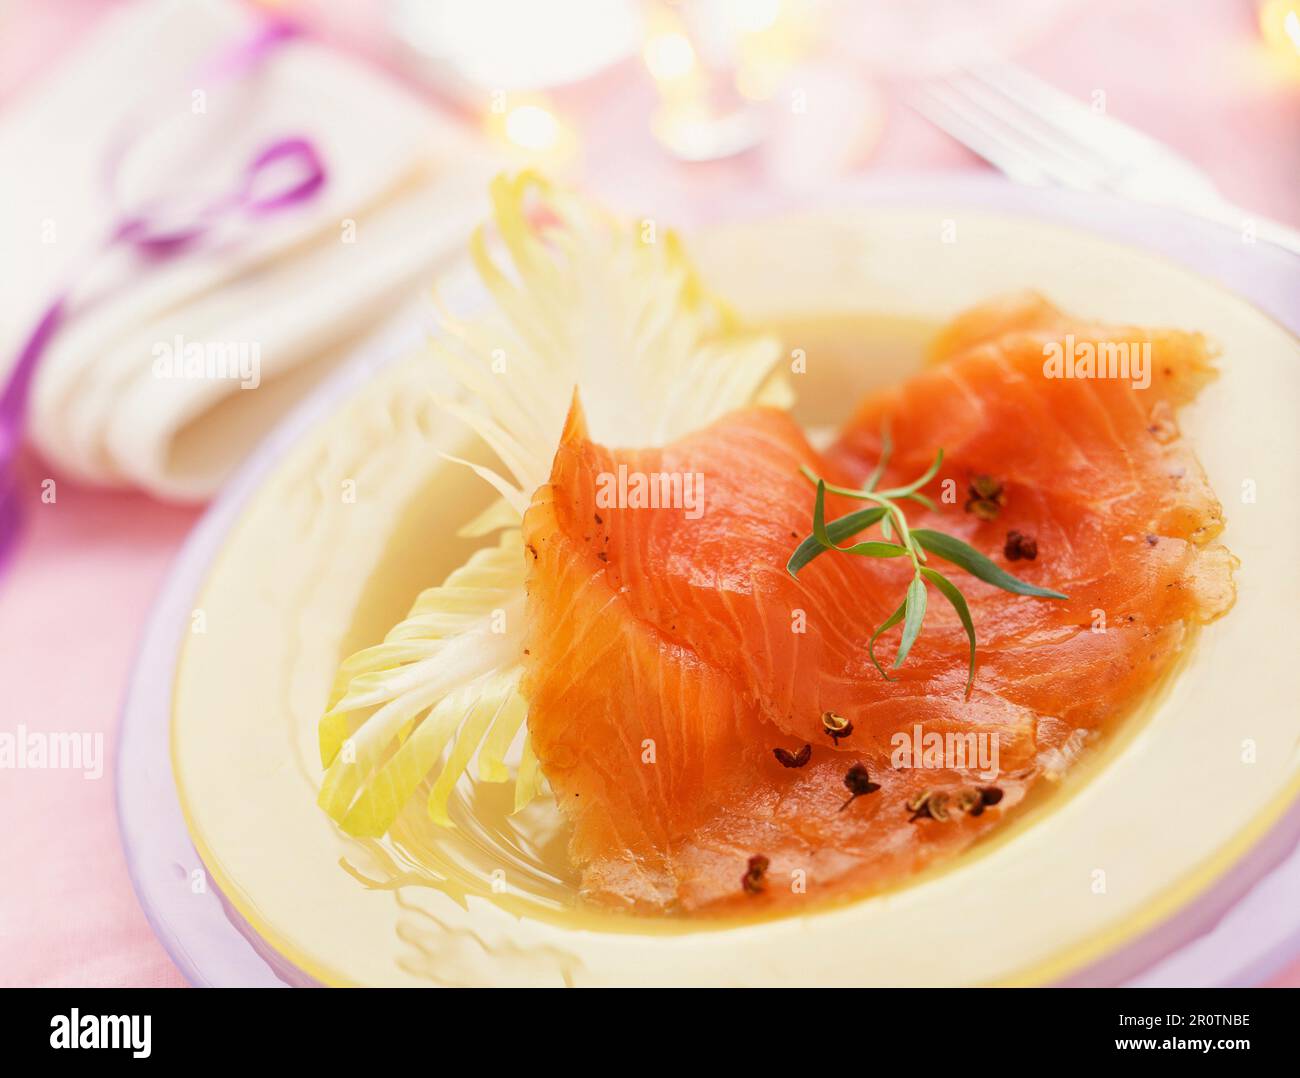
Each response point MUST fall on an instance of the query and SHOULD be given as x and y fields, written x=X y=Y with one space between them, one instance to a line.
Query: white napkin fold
x=285 y=293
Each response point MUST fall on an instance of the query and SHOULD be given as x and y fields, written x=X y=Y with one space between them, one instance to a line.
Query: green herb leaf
x=819 y=517
x=954 y=596
x=884 y=626
x=843 y=492
x=915 y=485
x=886 y=448
x=903 y=541
x=836 y=530
x=871 y=549
x=967 y=557
x=875 y=549
x=915 y=604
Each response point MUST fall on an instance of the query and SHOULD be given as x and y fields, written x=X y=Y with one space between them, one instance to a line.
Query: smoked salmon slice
x=713 y=727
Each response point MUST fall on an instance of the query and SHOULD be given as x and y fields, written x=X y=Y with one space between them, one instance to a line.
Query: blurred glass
x=924 y=38
x=473 y=47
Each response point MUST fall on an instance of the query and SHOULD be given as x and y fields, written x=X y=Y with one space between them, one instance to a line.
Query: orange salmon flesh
x=670 y=653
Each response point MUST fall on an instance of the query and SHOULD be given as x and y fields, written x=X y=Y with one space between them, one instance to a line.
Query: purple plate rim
x=213 y=945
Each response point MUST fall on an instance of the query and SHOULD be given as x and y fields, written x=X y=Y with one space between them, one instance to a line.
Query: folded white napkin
x=277 y=302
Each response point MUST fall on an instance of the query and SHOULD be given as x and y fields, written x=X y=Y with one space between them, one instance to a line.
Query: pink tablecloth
x=89 y=564
x=70 y=615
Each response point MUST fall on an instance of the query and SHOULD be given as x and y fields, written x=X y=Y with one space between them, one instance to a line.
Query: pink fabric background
x=81 y=584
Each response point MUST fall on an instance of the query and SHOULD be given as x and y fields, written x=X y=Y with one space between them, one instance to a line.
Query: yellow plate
x=362 y=514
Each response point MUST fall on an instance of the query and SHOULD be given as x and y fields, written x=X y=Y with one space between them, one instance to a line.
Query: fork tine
x=970 y=129
x=1104 y=137
x=1057 y=153
x=1035 y=133
x=1122 y=151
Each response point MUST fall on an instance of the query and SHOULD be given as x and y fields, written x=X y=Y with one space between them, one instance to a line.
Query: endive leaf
x=389 y=790
x=492 y=753
x=500 y=514
x=396 y=706
x=583 y=300
x=528 y=783
x=572 y=294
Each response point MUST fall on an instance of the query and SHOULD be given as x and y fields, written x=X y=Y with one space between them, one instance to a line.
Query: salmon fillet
x=670 y=653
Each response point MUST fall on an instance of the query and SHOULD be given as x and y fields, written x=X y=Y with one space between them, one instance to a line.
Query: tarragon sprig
x=899 y=541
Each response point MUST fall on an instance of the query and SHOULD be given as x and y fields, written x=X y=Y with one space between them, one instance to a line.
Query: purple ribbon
x=154 y=240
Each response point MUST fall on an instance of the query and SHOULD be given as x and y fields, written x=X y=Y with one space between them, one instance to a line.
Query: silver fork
x=1038 y=135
